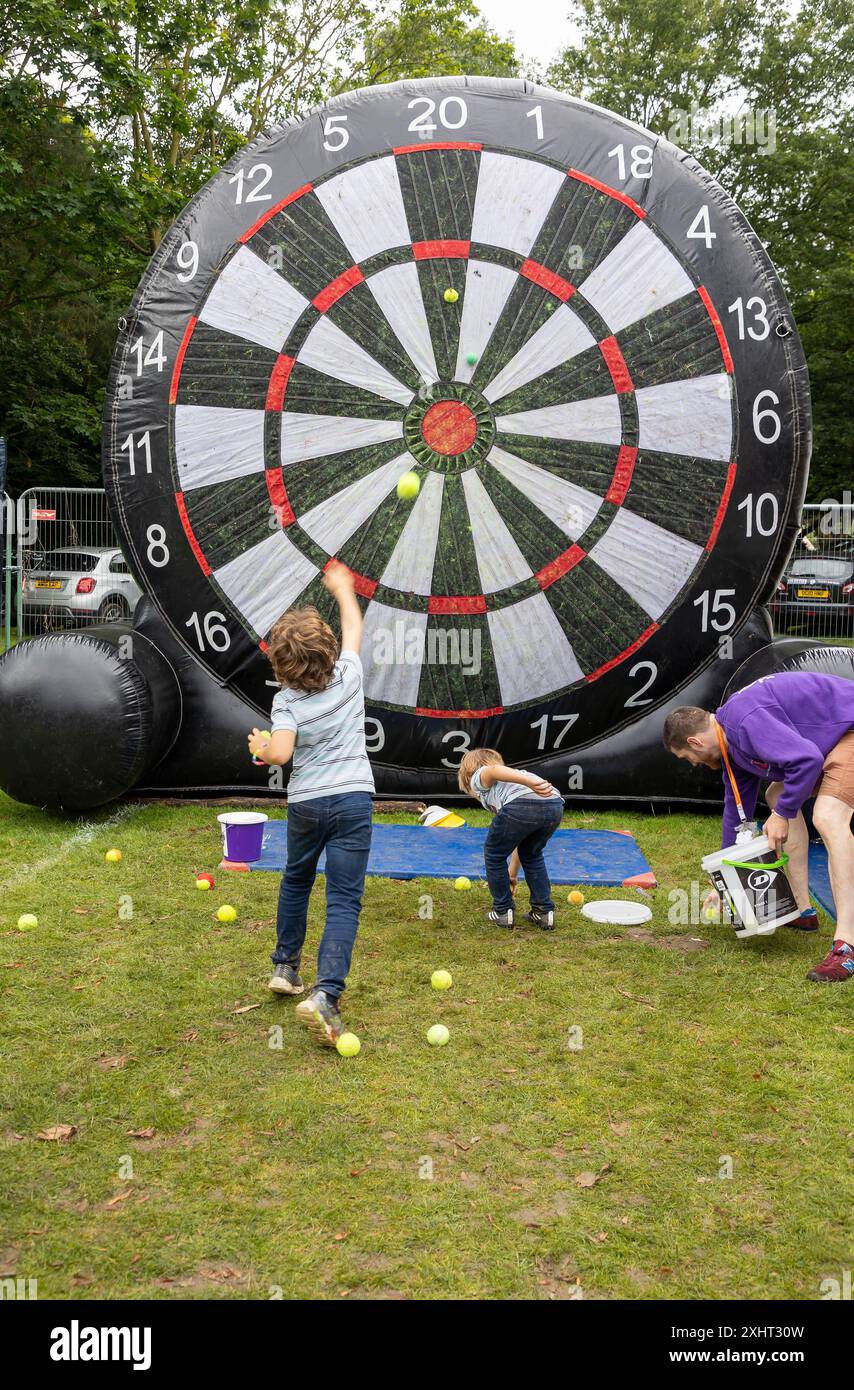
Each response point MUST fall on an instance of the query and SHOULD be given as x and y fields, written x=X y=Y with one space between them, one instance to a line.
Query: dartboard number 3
x=461 y=747
x=715 y=609
x=210 y=631
x=250 y=182
x=453 y=114
x=640 y=161
x=567 y=720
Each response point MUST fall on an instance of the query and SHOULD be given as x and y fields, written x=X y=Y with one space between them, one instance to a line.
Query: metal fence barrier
x=815 y=597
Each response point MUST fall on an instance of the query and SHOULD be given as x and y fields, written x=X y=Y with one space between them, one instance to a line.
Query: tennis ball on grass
x=348 y=1045
x=408 y=486
x=113 y=856
x=227 y=913
x=204 y=882
x=462 y=883
x=441 y=979
x=438 y=1035
x=451 y=295
x=575 y=897
x=27 y=921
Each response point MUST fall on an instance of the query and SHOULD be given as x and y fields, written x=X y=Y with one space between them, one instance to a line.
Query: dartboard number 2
x=210 y=631
x=461 y=747
x=567 y=720
x=636 y=699
x=259 y=175
x=453 y=114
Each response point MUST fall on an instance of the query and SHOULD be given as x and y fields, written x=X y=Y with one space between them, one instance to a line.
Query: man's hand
x=776 y=828
x=257 y=742
x=712 y=902
x=338 y=580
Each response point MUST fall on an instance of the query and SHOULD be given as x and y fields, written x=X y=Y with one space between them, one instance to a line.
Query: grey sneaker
x=285 y=980
x=319 y=1012
x=502 y=919
x=541 y=918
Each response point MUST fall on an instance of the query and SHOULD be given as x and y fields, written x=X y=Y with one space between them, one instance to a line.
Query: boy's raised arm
x=339 y=582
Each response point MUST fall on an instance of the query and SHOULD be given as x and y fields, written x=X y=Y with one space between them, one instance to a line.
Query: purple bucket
x=243 y=835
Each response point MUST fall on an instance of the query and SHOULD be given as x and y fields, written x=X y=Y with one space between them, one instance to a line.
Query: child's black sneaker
x=502 y=919
x=541 y=918
x=319 y=1012
x=286 y=980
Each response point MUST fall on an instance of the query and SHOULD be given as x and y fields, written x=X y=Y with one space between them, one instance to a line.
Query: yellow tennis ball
x=204 y=885
x=710 y=914
x=575 y=897
x=27 y=921
x=408 y=486
x=441 y=979
x=348 y=1045
x=462 y=883
x=451 y=295
x=438 y=1035
x=227 y=913
x=113 y=856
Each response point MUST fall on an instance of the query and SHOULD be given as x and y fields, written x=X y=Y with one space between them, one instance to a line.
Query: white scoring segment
x=328 y=349
x=214 y=444
x=266 y=580
x=595 y=421
x=410 y=566
x=393 y=644
x=650 y=563
x=570 y=507
x=335 y=520
x=692 y=417
x=513 y=200
x=397 y=291
x=318 y=436
x=487 y=290
x=562 y=337
x=637 y=277
x=500 y=562
x=252 y=301
x=532 y=654
x=365 y=206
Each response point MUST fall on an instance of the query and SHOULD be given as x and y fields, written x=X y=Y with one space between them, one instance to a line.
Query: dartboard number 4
x=250 y=183
x=762 y=514
x=760 y=328
x=152 y=356
x=142 y=442
x=567 y=720
x=462 y=746
x=637 y=698
x=210 y=631
x=452 y=113
x=700 y=229
x=715 y=610
x=639 y=161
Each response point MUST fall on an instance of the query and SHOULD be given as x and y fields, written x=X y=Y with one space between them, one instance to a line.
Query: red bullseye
x=449 y=427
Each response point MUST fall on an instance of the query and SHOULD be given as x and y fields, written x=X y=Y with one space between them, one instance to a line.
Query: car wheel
x=113 y=610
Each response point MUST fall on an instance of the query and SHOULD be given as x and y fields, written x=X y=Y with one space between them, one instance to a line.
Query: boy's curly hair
x=303 y=650
x=475 y=758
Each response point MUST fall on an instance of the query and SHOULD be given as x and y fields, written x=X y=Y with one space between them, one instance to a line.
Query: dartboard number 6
x=453 y=114
x=250 y=183
x=567 y=720
x=766 y=422
x=639 y=165
x=715 y=610
x=210 y=631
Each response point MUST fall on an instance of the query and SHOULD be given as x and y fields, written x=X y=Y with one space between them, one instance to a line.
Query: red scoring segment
x=449 y=427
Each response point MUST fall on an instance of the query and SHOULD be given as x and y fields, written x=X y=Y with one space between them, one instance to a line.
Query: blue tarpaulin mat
x=605 y=857
x=820 y=889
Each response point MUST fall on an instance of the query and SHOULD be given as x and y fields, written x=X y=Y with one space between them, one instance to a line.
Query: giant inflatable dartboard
x=557 y=319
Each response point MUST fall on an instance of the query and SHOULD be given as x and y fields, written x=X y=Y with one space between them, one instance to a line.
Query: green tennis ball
x=462 y=883
x=451 y=295
x=471 y=358
x=348 y=1045
x=441 y=979
x=227 y=913
x=408 y=486
x=438 y=1035
x=113 y=856
x=27 y=921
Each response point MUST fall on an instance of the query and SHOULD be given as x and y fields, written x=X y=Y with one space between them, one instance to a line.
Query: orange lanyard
x=727 y=764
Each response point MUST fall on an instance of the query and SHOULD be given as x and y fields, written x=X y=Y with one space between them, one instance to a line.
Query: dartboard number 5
x=567 y=720
x=453 y=114
x=210 y=631
x=250 y=183
x=715 y=610
x=639 y=165
x=461 y=747
x=335 y=134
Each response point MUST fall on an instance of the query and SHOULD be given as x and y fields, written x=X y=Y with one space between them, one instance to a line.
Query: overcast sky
x=540 y=27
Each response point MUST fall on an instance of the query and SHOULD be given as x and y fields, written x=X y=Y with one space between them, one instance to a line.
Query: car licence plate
x=813 y=593
x=48 y=583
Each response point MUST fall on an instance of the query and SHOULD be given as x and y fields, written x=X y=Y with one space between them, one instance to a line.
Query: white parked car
x=80 y=584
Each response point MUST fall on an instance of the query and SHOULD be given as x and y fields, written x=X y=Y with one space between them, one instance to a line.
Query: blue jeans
x=342 y=826
x=526 y=825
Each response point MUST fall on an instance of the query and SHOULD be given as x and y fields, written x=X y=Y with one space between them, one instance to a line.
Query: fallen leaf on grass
x=114 y=1063
x=141 y=1133
x=620 y=1127
x=119 y=1197
x=341 y=1235
x=357 y=1172
x=57 y=1132
x=636 y=997
x=82 y=1278
x=246 y=1008
x=80 y=911
x=591 y=1179
x=190 y=1035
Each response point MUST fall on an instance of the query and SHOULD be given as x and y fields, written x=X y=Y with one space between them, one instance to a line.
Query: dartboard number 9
x=560 y=324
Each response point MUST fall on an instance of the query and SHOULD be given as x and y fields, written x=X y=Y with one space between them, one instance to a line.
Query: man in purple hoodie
x=795 y=731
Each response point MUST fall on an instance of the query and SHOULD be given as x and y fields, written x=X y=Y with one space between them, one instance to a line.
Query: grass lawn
x=208 y=1163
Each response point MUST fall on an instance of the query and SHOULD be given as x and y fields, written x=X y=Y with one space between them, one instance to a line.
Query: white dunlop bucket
x=752 y=882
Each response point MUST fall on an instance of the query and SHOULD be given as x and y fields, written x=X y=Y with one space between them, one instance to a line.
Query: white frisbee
x=616 y=911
